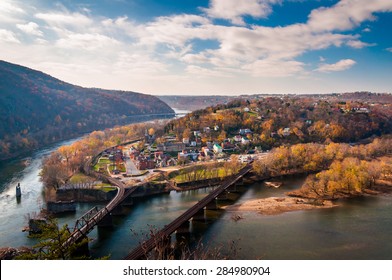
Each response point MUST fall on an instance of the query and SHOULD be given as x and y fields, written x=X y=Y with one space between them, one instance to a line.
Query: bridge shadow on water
x=132 y=224
x=187 y=244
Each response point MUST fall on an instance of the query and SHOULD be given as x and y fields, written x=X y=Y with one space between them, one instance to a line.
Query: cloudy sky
x=204 y=46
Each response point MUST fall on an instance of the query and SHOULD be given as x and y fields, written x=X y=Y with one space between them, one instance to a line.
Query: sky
x=204 y=47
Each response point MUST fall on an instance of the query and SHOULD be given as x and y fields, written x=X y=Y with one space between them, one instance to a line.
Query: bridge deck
x=122 y=193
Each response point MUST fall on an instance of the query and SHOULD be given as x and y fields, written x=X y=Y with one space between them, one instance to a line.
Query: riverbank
x=278 y=205
x=298 y=201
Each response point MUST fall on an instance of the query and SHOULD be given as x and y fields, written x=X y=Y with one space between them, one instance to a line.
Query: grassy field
x=201 y=173
x=102 y=163
x=120 y=167
x=79 y=178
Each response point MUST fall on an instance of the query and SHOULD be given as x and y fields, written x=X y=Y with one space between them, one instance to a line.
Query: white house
x=185 y=140
x=245 y=140
x=197 y=133
x=237 y=138
x=244 y=131
x=286 y=131
x=217 y=148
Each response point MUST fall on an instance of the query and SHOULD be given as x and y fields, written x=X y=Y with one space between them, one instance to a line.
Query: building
x=237 y=138
x=196 y=133
x=205 y=151
x=244 y=131
x=217 y=148
x=188 y=156
x=171 y=147
x=245 y=140
x=143 y=163
x=185 y=140
x=286 y=132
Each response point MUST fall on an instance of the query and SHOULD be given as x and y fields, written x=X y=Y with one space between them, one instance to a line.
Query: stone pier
x=212 y=206
x=199 y=216
x=107 y=221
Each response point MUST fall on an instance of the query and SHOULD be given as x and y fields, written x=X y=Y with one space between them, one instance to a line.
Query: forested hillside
x=37 y=109
x=273 y=121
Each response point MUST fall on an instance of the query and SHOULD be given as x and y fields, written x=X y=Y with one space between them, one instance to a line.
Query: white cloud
x=174 y=30
x=8 y=36
x=341 y=65
x=138 y=63
x=367 y=29
x=10 y=11
x=275 y=68
x=65 y=21
x=30 y=28
x=198 y=71
x=356 y=44
x=389 y=49
x=84 y=47
x=234 y=10
x=346 y=14
x=87 y=42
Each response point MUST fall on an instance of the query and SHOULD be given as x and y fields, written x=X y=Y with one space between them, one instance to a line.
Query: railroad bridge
x=85 y=224
x=208 y=202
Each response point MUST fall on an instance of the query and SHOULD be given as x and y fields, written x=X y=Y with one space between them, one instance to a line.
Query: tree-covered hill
x=289 y=119
x=37 y=109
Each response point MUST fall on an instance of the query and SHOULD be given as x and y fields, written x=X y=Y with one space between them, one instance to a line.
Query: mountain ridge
x=38 y=109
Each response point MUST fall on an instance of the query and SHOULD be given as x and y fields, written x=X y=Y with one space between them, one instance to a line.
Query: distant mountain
x=197 y=102
x=194 y=102
x=37 y=109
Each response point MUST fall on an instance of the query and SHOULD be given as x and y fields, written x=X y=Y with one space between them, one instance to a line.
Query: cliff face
x=37 y=109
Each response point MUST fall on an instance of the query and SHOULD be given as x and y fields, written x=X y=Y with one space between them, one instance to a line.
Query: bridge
x=161 y=236
x=85 y=224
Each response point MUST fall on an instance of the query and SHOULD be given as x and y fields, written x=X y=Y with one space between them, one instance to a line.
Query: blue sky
x=204 y=46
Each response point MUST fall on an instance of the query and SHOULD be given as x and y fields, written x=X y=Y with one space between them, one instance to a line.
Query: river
x=358 y=229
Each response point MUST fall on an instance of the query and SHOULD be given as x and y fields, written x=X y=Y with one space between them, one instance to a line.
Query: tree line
x=343 y=169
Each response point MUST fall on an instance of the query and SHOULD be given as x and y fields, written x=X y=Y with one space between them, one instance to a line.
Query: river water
x=358 y=229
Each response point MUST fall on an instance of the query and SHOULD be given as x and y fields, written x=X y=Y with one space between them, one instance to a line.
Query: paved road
x=130 y=166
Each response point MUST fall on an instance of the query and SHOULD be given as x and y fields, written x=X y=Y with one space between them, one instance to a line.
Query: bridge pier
x=128 y=202
x=240 y=182
x=107 y=221
x=199 y=216
x=212 y=206
x=223 y=196
x=183 y=228
x=163 y=249
x=183 y=235
x=117 y=211
x=234 y=189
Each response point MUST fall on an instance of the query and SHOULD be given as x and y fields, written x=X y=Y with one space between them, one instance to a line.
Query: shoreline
x=279 y=205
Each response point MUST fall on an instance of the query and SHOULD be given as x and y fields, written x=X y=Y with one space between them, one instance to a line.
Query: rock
x=273 y=184
x=36 y=224
x=9 y=253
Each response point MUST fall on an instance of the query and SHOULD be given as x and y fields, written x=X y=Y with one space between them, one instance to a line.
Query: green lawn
x=108 y=189
x=102 y=163
x=79 y=178
x=120 y=167
x=186 y=175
